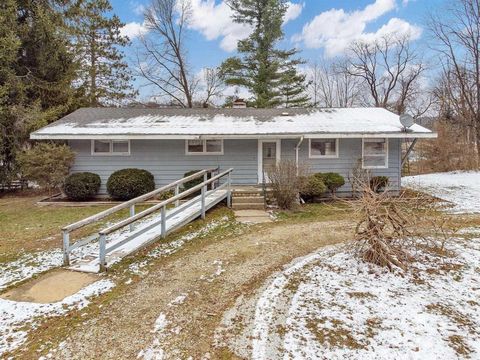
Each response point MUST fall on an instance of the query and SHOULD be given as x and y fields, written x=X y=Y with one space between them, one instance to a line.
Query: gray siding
x=350 y=152
x=167 y=161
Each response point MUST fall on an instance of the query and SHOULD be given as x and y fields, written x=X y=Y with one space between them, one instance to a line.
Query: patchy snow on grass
x=174 y=246
x=155 y=351
x=17 y=318
x=179 y=300
x=460 y=188
x=329 y=305
x=28 y=265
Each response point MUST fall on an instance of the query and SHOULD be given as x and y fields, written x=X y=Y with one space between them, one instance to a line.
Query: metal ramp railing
x=169 y=219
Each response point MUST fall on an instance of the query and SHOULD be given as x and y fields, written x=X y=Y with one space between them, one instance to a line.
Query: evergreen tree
x=293 y=89
x=262 y=67
x=104 y=78
x=36 y=73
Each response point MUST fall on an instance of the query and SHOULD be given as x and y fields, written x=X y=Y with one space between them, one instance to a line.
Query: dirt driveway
x=173 y=308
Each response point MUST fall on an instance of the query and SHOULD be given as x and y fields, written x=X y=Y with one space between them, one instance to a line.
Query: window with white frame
x=323 y=148
x=204 y=147
x=375 y=153
x=110 y=147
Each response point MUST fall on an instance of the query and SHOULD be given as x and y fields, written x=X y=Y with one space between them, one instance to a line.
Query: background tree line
x=55 y=56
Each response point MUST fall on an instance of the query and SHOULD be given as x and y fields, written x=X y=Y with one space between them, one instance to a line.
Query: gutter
x=297 y=147
x=132 y=136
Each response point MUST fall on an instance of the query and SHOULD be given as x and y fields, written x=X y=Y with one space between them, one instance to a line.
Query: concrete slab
x=253 y=219
x=252 y=216
x=51 y=287
x=251 y=213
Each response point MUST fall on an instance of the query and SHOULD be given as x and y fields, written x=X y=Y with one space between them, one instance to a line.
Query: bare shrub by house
x=287 y=181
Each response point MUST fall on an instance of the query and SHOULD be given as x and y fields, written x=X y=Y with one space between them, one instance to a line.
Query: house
x=170 y=142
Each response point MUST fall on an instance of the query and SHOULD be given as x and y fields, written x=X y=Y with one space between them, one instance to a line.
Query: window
x=323 y=148
x=375 y=153
x=110 y=147
x=204 y=147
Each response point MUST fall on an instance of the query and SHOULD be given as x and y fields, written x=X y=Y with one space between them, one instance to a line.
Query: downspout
x=297 y=147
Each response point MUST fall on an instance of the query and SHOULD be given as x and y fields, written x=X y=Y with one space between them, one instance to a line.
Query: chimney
x=239 y=104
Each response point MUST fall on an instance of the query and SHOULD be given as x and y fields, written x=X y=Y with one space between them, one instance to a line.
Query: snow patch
x=17 y=318
x=460 y=188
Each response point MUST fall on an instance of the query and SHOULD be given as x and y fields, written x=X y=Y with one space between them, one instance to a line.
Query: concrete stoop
x=248 y=200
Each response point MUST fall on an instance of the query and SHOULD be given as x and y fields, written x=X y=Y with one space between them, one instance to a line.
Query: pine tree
x=262 y=67
x=293 y=89
x=104 y=77
x=36 y=73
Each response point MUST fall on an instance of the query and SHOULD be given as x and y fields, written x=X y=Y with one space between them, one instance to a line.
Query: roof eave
x=394 y=135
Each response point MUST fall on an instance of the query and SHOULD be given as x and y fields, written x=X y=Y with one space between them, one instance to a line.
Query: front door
x=269 y=155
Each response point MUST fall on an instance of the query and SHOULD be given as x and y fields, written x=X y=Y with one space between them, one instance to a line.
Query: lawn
x=27 y=227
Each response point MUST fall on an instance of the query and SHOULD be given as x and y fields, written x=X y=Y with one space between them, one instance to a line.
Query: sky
x=318 y=28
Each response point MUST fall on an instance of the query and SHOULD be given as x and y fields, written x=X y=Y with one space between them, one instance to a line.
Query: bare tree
x=331 y=87
x=213 y=85
x=389 y=68
x=456 y=35
x=163 y=59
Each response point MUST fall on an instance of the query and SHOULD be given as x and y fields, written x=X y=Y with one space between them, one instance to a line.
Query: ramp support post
x=132 y=213
x=229 y=190
x=164 y=222
x=103 y=255
x=177 y=191
x=203 y=201
x=66 y=248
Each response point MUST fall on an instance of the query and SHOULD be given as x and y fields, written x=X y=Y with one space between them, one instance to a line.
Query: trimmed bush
x=127 y=184
x=333 y=181
x=81 y=186
x=379 y=183
x=313 y=187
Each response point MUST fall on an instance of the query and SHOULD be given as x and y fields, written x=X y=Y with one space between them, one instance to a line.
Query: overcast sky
x=319 y=28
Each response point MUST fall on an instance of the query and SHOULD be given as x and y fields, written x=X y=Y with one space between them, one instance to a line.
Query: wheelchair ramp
x=110 y=245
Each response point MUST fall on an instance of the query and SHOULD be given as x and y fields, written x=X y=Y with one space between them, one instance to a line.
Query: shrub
x=332 y=181
x=190 y=184
x=287 y=182
x=127 y=184
x=313 y=187
x=46 y=164
x=378 y=183
x=81 y=186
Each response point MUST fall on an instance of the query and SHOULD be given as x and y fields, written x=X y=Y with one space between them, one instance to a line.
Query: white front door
x=268 y=157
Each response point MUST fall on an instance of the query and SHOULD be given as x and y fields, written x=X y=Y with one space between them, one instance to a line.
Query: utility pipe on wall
x=297 y=147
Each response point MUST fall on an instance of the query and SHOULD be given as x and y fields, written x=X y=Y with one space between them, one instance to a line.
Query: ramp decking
x=110 y=245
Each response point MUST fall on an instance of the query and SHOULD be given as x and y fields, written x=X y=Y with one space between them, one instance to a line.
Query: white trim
x=204 y=145
x=399 y=135
x=260 y=156
x=310 y=156
x=110 y=153
x=386 y=156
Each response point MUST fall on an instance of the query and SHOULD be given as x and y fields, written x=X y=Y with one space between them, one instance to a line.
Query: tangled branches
x=392 y=227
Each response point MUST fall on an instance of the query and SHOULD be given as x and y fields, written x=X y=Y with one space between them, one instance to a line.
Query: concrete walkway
x=252 y=216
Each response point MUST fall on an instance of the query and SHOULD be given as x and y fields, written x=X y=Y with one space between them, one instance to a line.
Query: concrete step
x=246 y=194
x=248 y=200
x=248 y=206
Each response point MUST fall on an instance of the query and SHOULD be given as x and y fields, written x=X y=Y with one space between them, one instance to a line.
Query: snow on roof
x=189 y=123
